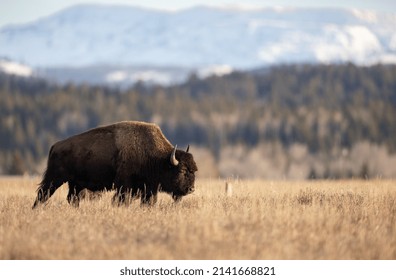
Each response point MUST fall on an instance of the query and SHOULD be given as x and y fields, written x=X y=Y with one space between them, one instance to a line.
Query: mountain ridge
x=89 y=34
x=200 y=37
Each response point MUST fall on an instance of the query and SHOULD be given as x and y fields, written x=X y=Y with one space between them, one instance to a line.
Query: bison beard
x=134 y=158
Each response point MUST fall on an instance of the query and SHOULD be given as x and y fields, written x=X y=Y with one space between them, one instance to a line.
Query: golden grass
x=261 y=220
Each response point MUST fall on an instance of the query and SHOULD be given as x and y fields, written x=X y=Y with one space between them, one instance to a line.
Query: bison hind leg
x=73 y=195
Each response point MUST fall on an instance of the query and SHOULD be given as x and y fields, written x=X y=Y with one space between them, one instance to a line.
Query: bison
x=131 y=157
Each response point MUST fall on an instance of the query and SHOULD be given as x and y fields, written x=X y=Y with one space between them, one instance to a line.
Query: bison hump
x=141 y=139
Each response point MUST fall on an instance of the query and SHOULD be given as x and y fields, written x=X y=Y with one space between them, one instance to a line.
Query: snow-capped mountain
x=200 y=38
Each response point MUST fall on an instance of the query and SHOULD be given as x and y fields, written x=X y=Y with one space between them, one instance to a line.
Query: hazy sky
x=20 y=11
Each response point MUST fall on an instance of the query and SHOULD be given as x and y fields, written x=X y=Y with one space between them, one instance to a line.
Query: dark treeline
x=325 y=109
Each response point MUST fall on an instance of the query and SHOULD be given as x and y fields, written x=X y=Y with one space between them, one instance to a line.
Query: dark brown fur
x=131 y=157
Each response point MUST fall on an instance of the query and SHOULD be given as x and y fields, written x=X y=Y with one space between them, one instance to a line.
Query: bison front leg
x=123 y=185
x=149 y=196
x=149 y=199
x=120 y=196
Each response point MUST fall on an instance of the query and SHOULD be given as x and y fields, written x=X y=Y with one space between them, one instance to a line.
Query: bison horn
x=173 y=159
x=188 y=148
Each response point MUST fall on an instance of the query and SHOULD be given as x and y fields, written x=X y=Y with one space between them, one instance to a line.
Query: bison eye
x=186 y=171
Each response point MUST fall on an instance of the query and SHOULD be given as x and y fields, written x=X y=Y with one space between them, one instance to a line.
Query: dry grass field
x=261 y=220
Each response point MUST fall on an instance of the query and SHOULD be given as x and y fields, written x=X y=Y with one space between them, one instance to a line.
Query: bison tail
x=46 y=188
x=43 y=188
x=43 y=180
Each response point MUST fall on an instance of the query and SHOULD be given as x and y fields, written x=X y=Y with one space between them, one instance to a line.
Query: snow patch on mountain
x=146 y=76
x=14 y=68
x=216 y=70
x=349 y=43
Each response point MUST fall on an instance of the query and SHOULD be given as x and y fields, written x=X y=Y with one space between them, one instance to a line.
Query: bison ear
x=188 y=148
x=173 y=159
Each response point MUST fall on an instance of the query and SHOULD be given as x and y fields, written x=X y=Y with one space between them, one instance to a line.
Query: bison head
x=182 y=174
